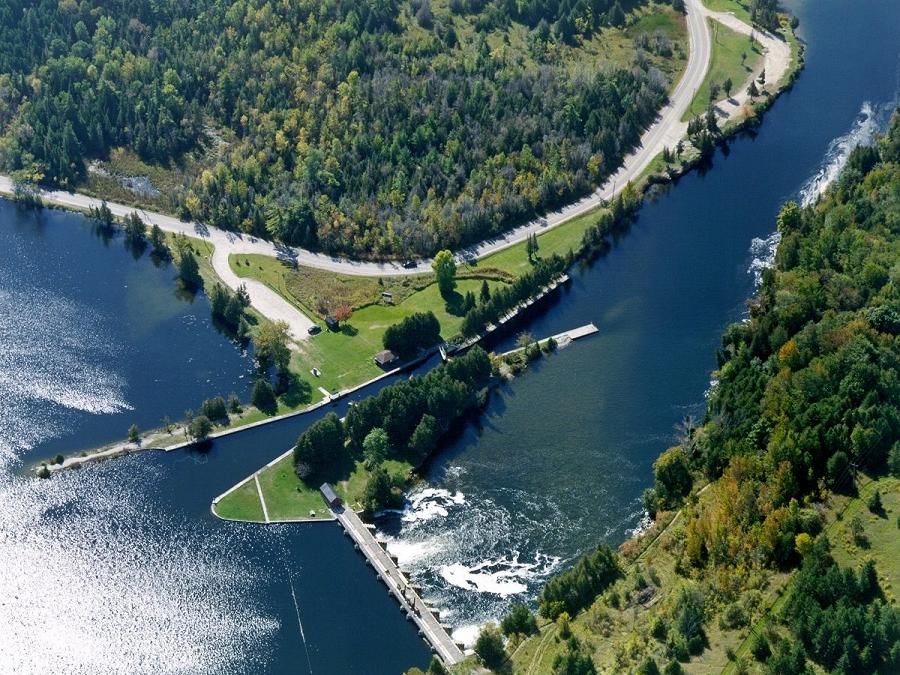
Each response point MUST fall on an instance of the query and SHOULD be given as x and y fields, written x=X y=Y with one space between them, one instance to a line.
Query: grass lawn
x=345 y=358
x=741 y=10
x=242 y=503
x=725 y=63
x=881 y=532
x=560 y=239
x=289 y=498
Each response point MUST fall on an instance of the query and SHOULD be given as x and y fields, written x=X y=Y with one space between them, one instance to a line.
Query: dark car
x=314 y=329
x=409 y=265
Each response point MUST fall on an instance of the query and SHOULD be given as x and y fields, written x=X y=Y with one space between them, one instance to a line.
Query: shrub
x=214 y=408
x=519 y=620
x=489 y=647
x=759 y=647
x=874 y=502
x=263 y=396
x=733 y=616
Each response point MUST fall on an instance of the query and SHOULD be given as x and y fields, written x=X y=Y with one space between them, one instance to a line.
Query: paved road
x=266 y=301
x=665 y=132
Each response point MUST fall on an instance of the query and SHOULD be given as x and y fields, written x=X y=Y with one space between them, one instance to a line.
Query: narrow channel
x=122 y=563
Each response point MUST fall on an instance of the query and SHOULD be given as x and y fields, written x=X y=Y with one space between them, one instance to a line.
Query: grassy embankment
x=741 y=10
x=880 y=542
x=726 y=62
x=611 y=634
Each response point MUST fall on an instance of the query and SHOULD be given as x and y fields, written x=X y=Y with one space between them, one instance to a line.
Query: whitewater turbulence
x=871 y=121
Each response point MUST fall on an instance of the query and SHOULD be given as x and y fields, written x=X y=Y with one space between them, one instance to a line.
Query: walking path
x=262 y=499
x=665 y=132
x=399 y=586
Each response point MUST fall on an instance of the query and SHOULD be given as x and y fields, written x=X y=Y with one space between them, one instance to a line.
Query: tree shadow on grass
x=455 y=303
x=296 y=391
x=348 y=330
x=337 y=471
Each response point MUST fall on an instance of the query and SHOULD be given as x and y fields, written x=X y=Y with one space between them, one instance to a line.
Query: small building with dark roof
x=385 y=357
x=330 y=496
x=332 y=323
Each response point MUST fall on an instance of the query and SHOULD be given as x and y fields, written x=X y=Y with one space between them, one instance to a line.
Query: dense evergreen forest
x=807 y=399
x=370 y=128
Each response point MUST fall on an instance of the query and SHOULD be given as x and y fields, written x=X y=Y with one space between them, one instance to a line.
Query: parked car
x=315 y=329
x=409 y=265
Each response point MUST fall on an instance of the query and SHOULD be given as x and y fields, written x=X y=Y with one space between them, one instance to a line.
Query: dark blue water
x=566 y=451
x=121 y=566
x=95 y=340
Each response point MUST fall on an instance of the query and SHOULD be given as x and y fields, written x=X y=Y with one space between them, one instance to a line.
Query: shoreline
x=646 y=181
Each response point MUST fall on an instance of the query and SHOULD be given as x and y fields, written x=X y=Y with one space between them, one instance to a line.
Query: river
x=121 y=567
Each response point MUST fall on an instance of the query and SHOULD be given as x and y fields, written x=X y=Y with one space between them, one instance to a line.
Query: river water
x=121 y=568
x=562 y=458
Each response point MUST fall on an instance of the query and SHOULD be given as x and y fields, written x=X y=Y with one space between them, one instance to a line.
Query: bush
x=489 y=647
x=658 y=628
x=874 y=503
x=759 y=647
x=43 y=472
x=733 y=616
x=214 y=408
x=263 y=396
x=234 y=404
x=134 y=434
x=564 y=625
x=519 y=620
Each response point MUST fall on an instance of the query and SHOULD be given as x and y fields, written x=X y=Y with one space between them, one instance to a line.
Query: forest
x=366 y=128
x=803 y=416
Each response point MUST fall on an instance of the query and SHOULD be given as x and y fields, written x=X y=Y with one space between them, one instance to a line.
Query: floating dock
x=398 y=585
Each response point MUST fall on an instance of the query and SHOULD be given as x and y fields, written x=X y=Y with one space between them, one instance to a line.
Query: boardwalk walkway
x=399 y=586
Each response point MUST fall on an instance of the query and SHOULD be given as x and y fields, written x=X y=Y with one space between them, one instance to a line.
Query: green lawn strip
x=725 y=63
x=242 y=503
x=289 y=498
x=559 y=239
x=741 y=10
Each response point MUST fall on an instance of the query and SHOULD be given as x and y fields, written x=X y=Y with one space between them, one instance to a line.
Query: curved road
x=666 y=131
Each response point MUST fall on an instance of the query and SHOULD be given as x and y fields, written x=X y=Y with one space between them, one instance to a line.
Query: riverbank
x=274 y=493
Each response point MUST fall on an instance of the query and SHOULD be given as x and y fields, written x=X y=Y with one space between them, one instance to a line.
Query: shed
x=330 y=496
x=387 y=297
x=332 y=323
x=385 y=357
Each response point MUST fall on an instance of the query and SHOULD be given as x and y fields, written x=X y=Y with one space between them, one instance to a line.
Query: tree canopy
x=370 y=128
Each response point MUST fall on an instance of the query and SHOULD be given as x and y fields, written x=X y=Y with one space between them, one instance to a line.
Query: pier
x=397 y=584
x=564 y=338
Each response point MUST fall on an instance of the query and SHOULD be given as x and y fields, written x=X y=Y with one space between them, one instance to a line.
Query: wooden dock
x=398 y=585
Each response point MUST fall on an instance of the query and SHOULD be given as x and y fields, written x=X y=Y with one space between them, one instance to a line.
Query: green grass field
x=740 y=9
x=725 y=63
x=241 y=504
x=882 y=535
x=289 y=498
